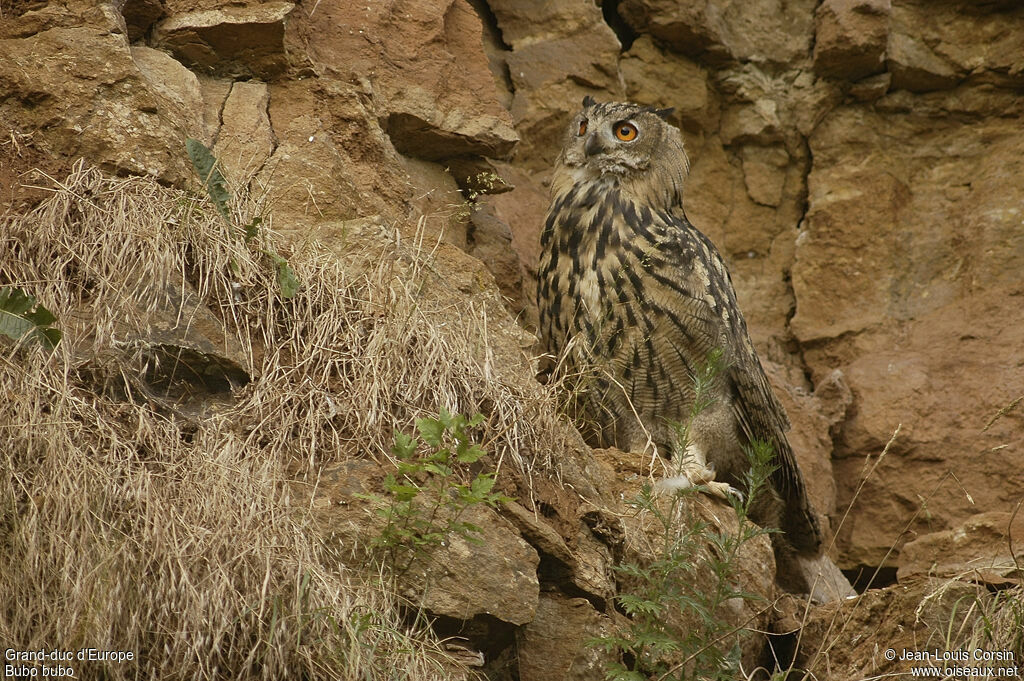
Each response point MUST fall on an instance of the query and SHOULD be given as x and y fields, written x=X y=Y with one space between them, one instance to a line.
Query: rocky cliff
x=857 y=162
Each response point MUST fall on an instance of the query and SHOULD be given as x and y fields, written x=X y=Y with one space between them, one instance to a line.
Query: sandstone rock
x=215 y=92
x=764 y=173
x=937 y=45
x=418 y=132
x=490 y=240
x=980 y=550
x=551 y=77
x=663 y=79
x=523 y=209
x=140 y=15
x=433 y=91
x=914 y=66
x=522 y=23
x=872 y=87
x=245 y=140
x=773 y=32
x=332 y=159
x=496 y=49
x=184 y=357
x=477 y=176
x=168 y=79
x=229 y=41
x=538 y=533
x=436 y=202
x=906 y=299
x=495 y=576
x=24 y=19
x=83 y=92
x=847 y=640
x=850 y=38
x=553 y=647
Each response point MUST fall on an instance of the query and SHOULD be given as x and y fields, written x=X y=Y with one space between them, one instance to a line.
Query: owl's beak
x=593 y=145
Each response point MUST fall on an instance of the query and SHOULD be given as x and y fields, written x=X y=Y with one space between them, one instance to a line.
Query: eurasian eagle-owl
x=634 y=300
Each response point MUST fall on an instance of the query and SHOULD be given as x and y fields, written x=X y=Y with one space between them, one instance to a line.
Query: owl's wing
x=758 y=411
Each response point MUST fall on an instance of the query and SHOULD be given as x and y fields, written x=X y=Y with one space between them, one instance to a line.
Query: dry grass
x=131 y=524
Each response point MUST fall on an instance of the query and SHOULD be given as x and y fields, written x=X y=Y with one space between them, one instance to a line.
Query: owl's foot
x=695 y=471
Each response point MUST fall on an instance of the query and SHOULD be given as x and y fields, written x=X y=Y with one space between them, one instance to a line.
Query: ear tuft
x=588 y=101
x=664 y=113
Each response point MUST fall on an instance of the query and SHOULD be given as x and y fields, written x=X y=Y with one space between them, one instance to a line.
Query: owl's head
x=630 y=142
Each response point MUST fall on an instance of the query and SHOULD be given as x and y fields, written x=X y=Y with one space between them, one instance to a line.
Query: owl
x=636 y=303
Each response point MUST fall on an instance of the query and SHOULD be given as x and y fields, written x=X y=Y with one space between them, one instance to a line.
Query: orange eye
x=625 y=131
x=583 y=128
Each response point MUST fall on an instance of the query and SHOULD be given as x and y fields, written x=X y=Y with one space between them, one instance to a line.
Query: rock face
x=857 y=162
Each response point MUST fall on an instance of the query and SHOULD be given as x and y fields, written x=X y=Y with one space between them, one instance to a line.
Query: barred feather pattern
x=633 y=299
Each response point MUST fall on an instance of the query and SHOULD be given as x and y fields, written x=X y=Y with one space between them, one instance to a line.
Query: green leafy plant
x=21 y=315
x=216 y=186
x=674 y=602
x=426 y=498
x=205 y=164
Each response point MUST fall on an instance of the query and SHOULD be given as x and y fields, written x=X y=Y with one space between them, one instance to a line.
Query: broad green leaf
x=431 y=430
x=404 y=492
x=438 y=469
x=470 y=454
x=482 y=485
x=205 y=164
x=21 y=315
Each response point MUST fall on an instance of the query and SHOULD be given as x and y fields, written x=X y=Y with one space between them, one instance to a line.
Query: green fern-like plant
x=425 y=498
x=676 y=625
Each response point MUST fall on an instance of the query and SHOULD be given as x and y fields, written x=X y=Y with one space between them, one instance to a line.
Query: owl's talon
x=702 y=478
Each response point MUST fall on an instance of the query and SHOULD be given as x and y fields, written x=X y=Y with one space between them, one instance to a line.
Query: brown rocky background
x=857 y=162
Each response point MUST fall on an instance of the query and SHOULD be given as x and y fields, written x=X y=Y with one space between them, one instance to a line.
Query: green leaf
x=440 y=456
x=636 y=605
x=205 y=164
x=444 y=418
x=481 y=485
x=21 y=315
x=469 y=453
x=409 y=469
x=286 y=278
x=404 y=492
x=437 y=469
x=431 y=430
x=253 y=228
x=405 y=445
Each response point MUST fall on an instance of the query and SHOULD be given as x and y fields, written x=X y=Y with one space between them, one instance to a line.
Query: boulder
x=553 y=646
x=850 y=38
x=766 y=32
x=84 y=95
x=984 y=549
x=238 y=41
x=432 y=89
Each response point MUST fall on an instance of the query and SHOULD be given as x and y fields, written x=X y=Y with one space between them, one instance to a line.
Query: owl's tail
x=801 y=525
x=798 y=519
